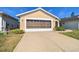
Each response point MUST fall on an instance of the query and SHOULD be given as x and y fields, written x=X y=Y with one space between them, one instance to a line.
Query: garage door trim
x=37 y=29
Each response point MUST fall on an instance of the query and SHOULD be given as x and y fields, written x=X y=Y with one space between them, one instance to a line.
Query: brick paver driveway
x=46 y=42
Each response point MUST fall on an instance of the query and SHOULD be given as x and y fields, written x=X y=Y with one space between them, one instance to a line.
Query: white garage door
x=38 y=25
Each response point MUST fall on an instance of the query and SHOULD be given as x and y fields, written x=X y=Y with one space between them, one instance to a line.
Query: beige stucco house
x=38 y=20
x=7 y=22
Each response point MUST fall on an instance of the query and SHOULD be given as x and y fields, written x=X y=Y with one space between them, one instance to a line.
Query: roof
x=1 y=12
x=37 y=10
x=70 y=18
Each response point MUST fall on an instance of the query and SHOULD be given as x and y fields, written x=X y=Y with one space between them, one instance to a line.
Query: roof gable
x=37 y=10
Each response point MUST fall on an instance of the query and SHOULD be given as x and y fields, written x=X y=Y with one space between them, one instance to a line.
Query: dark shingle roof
x=70 y=18
x=1 y=12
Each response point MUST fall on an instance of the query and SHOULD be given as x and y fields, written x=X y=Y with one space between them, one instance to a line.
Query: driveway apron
x=46 y=42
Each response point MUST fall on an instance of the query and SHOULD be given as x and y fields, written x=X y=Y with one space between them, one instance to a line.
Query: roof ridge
x=39 y=8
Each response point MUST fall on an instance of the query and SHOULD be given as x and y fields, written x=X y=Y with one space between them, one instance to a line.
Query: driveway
x=46 y=42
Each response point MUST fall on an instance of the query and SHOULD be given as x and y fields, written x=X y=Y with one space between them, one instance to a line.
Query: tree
x=72 y=14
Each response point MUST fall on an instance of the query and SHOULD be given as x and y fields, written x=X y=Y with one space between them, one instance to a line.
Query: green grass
x=8 y=42
x=73 y=34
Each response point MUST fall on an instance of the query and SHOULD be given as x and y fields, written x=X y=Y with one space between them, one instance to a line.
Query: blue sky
x=61 y=12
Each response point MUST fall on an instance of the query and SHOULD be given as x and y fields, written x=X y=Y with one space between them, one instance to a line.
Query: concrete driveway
x=46 y=42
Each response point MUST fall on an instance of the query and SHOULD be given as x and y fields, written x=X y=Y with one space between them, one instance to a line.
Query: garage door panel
x=38 y=24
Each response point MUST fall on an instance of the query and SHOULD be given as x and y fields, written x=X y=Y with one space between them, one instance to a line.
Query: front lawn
x=9 y=41
x=74 y=34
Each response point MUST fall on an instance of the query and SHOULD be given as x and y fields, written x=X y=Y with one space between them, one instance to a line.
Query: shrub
x=17 y=31
x=60 y=28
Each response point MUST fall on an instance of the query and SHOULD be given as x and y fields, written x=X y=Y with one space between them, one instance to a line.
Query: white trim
x=36 y=10
x=39 y=18
x=25 y=25
x=38 y=29
x=4 y=25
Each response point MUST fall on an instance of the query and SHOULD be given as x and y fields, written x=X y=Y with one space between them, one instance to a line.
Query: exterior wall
x=3 y=25
x=8 y=20
x=74 y=24
x=22 y=23
x=0 y=23
x=39 y=15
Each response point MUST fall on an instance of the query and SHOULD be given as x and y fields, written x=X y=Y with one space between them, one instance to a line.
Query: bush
x=17 y=31
x=60 y=28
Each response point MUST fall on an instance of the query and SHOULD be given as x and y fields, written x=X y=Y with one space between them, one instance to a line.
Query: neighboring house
x=7 y=22
x=38 y=20
x=70 y=22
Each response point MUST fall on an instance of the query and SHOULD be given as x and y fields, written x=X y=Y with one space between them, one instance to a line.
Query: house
x=7 y=22
x=38 y=20
x=70 y=22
